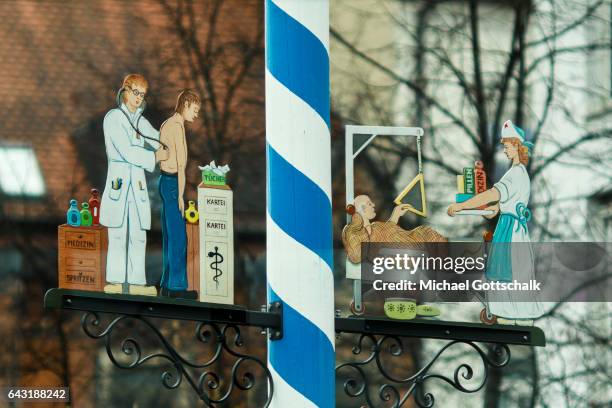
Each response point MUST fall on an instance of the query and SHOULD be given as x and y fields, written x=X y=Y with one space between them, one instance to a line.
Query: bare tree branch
x=571 y=146
x=573 y=25
x=483 y=121
x=416 y=88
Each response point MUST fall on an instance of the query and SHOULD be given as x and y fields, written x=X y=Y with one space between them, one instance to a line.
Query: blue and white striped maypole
x=299 y=224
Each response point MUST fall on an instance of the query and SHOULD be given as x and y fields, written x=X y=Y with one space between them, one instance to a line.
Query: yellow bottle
x=191 y=213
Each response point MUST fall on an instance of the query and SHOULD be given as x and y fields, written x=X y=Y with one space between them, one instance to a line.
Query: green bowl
x=400 y=308
x=428 y=310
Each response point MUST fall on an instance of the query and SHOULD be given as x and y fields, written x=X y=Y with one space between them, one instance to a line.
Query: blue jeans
x=174 y=236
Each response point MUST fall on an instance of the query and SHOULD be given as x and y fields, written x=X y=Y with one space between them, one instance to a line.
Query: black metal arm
x=437 y=329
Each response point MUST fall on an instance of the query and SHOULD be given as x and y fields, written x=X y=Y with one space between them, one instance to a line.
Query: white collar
x=130 y=113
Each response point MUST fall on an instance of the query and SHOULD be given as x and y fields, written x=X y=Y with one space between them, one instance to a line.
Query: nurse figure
x=511 y=255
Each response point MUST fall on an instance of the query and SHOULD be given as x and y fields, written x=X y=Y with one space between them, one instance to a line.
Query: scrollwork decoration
x=221 y=338
x=398 y=390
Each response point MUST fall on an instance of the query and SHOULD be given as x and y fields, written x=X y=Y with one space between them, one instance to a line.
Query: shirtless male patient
x=171 y=189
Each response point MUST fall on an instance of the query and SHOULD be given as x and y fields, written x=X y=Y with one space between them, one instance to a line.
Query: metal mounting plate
x=436 y=329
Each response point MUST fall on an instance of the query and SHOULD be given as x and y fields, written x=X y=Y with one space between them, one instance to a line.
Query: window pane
x=19 y=172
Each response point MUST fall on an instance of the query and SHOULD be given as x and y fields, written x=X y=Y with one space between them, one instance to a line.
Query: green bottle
x=86 y=218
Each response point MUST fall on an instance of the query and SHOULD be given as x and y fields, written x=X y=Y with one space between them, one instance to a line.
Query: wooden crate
x=82 y=257
x=193 y=256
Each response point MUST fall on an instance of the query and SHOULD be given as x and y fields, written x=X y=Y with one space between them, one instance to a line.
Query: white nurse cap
x=509 y=130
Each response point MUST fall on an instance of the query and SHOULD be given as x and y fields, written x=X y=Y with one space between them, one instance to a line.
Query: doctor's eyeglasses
x=136 y=92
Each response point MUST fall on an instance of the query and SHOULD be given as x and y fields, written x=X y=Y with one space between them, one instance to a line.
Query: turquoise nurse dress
x=511 y=256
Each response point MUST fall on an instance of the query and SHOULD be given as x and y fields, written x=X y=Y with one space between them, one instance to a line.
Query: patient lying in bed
x=363 y=229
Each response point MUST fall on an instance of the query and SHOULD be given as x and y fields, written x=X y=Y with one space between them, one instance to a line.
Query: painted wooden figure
x=171 y=184
x=511 y=255
x=125 y=207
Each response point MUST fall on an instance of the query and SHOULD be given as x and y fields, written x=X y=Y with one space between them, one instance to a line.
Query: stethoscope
x=138 y=132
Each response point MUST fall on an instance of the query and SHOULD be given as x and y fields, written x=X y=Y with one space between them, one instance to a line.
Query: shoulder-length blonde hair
x=523 y=151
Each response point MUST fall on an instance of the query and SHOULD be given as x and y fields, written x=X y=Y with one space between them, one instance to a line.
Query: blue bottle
x=73 y=215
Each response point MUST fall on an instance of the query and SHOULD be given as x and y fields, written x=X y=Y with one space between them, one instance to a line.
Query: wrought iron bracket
x=398 y=389
x=218 y=327
x=383 y=336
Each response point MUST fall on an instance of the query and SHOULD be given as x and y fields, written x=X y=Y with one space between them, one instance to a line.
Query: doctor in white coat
x=125 y=207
